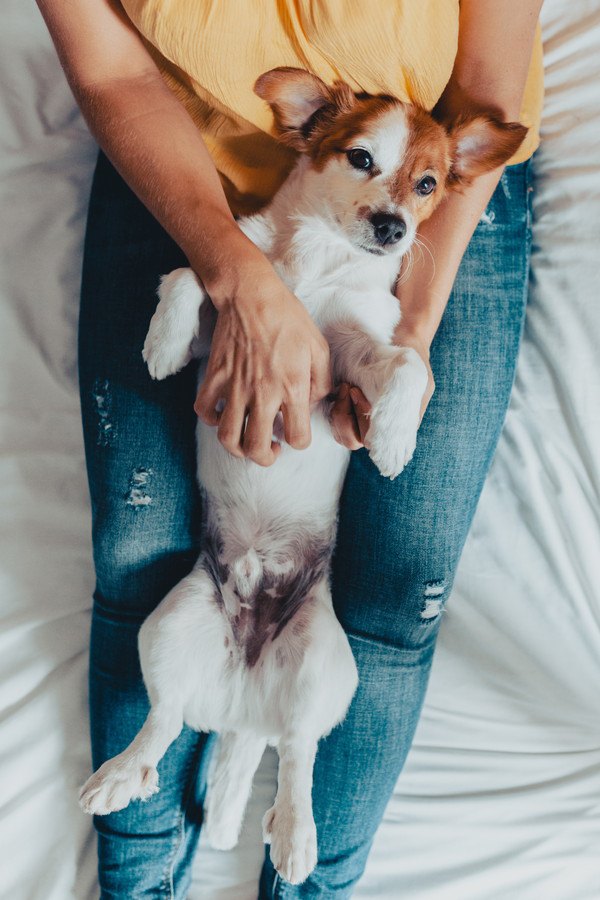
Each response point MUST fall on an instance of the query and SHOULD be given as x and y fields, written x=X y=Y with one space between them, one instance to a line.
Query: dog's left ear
x=480 y=144
x=298 y=99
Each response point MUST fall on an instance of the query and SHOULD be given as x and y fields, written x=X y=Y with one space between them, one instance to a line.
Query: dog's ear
x=479 y=144
x=299 y=100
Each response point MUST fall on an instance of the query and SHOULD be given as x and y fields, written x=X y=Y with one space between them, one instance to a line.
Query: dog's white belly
x=237 y=705
x=188 y=652
x=304 y=484
x=246 y=699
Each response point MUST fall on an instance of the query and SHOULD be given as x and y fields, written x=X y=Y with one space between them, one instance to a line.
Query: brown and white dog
x=247 y=644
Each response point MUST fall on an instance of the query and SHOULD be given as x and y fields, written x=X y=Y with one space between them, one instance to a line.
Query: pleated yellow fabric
x=212 y=51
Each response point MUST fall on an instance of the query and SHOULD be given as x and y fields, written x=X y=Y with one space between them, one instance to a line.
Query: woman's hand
x=267 y=355
x=351 y=410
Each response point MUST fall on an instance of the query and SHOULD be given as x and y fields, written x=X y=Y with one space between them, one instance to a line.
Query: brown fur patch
x=336 y=133
x=324 y=120
x=428 y=152
x=299 y=100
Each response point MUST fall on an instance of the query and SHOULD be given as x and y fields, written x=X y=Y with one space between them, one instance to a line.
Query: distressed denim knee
x=138 y=553
x=406 y=604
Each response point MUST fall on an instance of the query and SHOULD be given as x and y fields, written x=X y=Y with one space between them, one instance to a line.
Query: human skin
x=266 y=352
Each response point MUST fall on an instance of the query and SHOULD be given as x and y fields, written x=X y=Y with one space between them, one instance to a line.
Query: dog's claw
x=114 y=785
x=293 y=843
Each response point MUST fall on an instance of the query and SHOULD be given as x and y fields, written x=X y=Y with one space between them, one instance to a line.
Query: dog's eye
x=426 y=185
x=359 y=158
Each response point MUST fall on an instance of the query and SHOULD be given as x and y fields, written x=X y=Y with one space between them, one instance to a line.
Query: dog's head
x=383 y=166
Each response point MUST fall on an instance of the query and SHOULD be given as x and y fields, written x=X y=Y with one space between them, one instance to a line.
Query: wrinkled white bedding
x=500 y=798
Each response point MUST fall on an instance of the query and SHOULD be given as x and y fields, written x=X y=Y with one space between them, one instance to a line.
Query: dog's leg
x=238 y=755
x=289 y=825
x=181 y=647
x=132 y=774
x=394 y=380
x=181 y=327
x=320 y=696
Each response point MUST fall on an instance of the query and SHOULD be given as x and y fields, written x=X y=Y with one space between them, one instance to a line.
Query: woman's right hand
x=267 y=355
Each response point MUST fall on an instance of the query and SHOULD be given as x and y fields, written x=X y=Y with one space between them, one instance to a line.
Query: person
x=167 y=91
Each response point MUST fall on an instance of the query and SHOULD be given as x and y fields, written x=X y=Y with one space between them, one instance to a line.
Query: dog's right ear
x=299 y=101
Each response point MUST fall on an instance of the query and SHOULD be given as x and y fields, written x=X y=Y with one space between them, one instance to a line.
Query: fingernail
x=354 y=395
x=343 y=391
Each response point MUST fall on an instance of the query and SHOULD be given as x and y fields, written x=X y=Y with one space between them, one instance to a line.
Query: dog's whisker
x=423 y=246
x=406 y=271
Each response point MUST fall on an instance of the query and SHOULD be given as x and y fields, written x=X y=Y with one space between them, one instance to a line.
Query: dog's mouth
x=396 y=250
x=375 y=251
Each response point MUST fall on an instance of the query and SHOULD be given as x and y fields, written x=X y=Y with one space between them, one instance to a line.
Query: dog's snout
x=389 y=229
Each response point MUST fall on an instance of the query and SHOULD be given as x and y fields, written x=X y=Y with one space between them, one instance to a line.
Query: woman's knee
x=397 y=598
x=140 y=552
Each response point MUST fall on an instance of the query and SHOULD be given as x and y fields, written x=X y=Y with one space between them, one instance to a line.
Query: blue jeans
x=398 y=544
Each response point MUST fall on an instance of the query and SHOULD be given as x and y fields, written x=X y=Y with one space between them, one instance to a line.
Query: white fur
x=303 y=679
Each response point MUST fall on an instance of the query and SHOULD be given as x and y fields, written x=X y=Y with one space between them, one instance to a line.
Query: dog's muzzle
x=388 y=229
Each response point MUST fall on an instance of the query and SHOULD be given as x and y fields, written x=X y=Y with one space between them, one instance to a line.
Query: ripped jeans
x=397 y=551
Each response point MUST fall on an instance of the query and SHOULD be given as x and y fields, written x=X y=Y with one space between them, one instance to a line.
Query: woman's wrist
x=421 y=314
x=408 y=336
x=230 y=265
x=415 y=332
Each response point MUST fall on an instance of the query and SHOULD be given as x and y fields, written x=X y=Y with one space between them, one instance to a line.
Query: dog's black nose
x=388 y=229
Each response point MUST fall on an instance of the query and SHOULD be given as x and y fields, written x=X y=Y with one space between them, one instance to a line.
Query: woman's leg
x=139 y=439
x=399 y=544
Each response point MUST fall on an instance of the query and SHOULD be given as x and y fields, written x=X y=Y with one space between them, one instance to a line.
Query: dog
x=247 y=644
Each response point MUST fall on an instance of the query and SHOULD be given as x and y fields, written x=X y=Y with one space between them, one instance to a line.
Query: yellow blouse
x=212 y=51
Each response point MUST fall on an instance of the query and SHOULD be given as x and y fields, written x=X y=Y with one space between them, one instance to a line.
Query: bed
x=500 y=796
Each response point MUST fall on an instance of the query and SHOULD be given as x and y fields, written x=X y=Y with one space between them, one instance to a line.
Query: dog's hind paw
x=221 y=831
x=115 y=784
x=293 y=842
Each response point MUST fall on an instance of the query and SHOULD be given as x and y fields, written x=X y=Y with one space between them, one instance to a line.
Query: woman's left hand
x=351 y=409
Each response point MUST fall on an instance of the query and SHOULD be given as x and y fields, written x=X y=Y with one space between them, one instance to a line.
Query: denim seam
x=529 y=177
x=167 y=884
x=279 y=888
x=277 y=893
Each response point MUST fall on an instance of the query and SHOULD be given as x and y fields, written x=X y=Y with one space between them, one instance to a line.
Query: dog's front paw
x=293 y=840
x=394 y=420
x=115 y=784
x=174 y=325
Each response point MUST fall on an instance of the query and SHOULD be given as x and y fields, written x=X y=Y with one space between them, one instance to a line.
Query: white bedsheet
x=499 y=798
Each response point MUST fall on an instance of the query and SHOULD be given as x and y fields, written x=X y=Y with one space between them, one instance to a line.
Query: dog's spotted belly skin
x=261 y=598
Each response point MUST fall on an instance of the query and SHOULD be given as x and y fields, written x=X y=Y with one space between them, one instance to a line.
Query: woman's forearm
x=266 y=354
x=490 y=71
x=425 y=291
x=158 y=150
x=149 y=137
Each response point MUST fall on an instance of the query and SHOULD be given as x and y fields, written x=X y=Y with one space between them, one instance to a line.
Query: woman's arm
x=266 y=353
x=490 y=71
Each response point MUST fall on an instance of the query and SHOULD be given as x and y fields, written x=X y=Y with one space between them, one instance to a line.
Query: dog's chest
x=333 y=282
x=343 y=296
